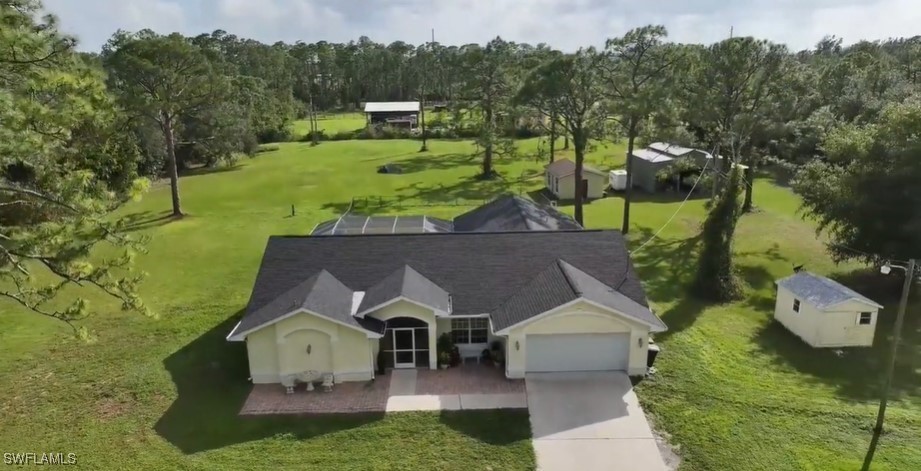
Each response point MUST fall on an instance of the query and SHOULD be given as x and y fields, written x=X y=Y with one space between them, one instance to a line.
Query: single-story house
x=343 y=305
x=825 y=313
x=394 y=113
x=506 y=213
x=560 y=178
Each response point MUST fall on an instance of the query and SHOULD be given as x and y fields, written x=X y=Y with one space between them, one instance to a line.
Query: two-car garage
x=577 y=352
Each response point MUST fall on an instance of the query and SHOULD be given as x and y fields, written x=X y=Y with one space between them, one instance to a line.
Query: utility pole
x=890 y=367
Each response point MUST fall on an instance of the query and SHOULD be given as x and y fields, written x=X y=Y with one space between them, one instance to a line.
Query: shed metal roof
x=652 y=156
x=822 y=292
x=391 y=106
x=566 y=167
x=671 y=149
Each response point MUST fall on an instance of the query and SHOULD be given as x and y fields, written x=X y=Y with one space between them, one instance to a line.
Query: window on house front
x=796 y=305
x=556 y=185
x=470 y=331
x=865 y=318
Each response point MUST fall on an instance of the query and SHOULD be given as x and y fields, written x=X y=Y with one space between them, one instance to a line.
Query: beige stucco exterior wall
x=281 y=349
x=579 y=318
x=261 y=350
x=408 y=309
x=835 y=328
x=596 y=185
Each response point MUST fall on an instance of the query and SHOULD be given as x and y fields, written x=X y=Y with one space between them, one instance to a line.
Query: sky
x=562 y=24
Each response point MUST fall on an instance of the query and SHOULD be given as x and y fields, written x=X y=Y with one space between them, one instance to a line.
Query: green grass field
x=734 y=391
x=330 y=124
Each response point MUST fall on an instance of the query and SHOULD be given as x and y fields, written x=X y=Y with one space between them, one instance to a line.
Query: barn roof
x=391 y=106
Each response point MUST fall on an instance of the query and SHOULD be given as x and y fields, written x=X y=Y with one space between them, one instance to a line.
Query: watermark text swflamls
x=39 y=459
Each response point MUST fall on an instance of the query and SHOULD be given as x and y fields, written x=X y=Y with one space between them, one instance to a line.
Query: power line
x=686 y=198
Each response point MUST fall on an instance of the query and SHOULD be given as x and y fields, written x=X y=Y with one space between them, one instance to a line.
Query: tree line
x=84 y=132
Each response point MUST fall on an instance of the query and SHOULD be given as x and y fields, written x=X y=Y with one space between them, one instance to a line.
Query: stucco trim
x=630 y=321
x=236 y=337
x=438 y=312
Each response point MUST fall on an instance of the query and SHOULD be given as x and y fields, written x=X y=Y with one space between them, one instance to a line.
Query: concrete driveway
x=589 y=421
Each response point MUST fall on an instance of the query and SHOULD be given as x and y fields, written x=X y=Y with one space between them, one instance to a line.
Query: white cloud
x=565 y=24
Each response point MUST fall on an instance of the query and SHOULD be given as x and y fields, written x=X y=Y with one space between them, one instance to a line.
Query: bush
x=321 y=136
x=249 y=144
x=267 y=148
x=383 y=132
x=345 y=135
x=275 y=135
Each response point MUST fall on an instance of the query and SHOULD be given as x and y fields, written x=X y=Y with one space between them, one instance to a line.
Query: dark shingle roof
x=821 y=292
x=480 y=270
x=513 y=213
x=320 y=293
x=590 y=288
x=409 y=284
x=565 y=167
x=560 y=283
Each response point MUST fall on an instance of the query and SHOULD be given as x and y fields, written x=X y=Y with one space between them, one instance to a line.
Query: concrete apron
x=589 y=422
x=430 y=402
x=403 y=397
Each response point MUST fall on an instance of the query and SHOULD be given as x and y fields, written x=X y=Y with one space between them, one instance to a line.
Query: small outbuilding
x=825 y=313
x=659 y=156
x=560 y=179
x=403 y=114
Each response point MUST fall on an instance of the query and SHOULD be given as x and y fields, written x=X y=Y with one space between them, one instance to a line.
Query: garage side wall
x=580 y=318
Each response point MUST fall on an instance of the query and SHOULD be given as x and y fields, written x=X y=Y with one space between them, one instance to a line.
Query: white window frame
x=470 y=328
x=869 y=315
x=796 y=305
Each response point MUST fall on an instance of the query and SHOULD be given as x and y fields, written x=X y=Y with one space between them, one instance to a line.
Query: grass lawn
x=331 y=124
x=734 y=391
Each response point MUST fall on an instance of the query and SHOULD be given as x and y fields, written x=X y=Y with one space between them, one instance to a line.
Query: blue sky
x=564 y=24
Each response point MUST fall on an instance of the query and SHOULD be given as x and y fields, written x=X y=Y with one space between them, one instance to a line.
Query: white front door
x=577 y=352
x=404 y=347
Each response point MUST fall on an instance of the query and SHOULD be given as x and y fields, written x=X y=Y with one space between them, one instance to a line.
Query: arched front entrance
x=405 y=343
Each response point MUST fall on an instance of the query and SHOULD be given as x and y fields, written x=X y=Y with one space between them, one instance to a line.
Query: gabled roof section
x=566 y=167
x=561 y=283
x=406 y=283
x=391 y=106
x=588 y=287
x=549 y=289
x=481 y=270
x=321 y=294
x=822 y=292
x=513 y=213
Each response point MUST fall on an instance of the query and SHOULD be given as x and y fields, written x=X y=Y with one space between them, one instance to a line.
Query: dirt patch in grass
x=109 y=408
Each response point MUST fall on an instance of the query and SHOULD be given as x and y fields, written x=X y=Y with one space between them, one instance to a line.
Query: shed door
x=577 y=352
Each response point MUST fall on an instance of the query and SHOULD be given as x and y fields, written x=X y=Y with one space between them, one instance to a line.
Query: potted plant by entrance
x=496 y=353
x=445 y=347
x=444 y=359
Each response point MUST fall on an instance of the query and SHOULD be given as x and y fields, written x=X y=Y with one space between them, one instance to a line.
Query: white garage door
x=577 y=352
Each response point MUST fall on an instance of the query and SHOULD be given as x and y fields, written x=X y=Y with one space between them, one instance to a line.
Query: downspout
x=371 y=354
